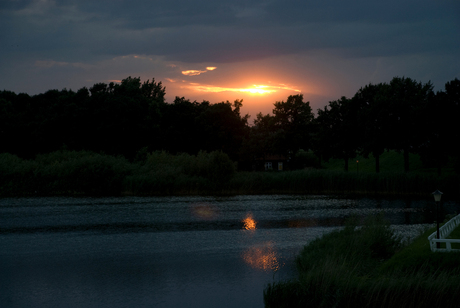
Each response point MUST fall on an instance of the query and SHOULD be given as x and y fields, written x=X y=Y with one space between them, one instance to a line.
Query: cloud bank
x=330 y=47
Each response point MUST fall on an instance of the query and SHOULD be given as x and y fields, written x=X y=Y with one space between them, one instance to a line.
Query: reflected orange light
x=204 y=211
x=263 y=258
x=249 y=223
x=302 y=223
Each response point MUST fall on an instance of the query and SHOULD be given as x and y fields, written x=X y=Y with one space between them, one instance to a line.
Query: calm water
x=169 y=251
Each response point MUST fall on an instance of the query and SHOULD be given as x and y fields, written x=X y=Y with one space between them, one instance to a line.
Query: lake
x=170 y=251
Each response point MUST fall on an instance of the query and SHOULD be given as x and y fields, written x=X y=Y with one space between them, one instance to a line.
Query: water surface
x=169 y=251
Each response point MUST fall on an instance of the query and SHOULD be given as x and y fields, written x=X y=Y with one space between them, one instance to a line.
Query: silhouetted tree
x=293 y=118
x=373 y=117
x=452 y=89
x=407 y=99
x=15 y=134
x=222 y=128
x=178 y=130
x=265 y=137
x=338 y=134
x=441 y=121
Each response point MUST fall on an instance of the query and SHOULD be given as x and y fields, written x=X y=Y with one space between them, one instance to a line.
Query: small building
x=271 y=163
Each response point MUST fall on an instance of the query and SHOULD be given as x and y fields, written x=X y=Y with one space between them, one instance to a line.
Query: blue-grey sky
x=260 y=51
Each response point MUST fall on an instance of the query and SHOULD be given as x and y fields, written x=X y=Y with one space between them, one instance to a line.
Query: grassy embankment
x=86 y=173
x=368 y=267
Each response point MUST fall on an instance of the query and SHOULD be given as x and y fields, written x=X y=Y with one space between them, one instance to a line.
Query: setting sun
x=254 y=89
x=258 y=89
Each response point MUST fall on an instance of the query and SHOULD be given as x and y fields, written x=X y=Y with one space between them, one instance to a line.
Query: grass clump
x=366 y=266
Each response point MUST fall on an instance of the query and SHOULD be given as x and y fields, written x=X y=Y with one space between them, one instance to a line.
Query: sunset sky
x=258 y=51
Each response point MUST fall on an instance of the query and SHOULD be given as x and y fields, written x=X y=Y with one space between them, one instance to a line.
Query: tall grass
x=390 y=161
x=366 y=267
x=63 y=172
x=162 y=173
x=88 y=173
x=159 y=173
x=318 y=181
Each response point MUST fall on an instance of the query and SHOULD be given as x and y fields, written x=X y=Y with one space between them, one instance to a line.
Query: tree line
x=132 y=119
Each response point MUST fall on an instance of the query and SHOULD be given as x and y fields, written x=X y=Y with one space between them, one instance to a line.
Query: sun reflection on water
x=249 y=223
x=259 y=257
x=204 y=211
x=262 y=258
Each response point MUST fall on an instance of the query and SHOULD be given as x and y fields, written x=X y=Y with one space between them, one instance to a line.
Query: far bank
x=93 y=174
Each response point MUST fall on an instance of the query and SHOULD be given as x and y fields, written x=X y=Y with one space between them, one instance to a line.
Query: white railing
x=444 y=232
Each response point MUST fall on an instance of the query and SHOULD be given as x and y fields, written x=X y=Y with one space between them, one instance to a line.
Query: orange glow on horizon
x=258 y=89
x=254 y=89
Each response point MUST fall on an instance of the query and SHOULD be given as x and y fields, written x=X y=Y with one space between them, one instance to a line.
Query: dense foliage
x=89 y=173
x=159 y=173
x=404 y=115
x=132 y=119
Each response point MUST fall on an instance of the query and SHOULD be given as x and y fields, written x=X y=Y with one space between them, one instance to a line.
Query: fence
x=444 y=232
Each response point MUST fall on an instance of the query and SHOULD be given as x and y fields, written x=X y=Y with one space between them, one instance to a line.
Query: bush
x=306 y=159
x=168 y=174
x=63 y=172
x=16 y=175
x=81 y=173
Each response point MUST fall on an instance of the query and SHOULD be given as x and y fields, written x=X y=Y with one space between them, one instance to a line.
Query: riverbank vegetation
x=159 y=173
x=369 y=266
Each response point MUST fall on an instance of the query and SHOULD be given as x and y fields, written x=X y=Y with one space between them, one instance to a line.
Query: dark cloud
x=75 y=35
x=228 y=31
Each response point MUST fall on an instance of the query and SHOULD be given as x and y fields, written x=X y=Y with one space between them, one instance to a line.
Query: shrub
x=183 y=173
x=17 y=176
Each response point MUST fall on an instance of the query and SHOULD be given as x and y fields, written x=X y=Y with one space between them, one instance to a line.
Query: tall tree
x=293 y=118
x=179 y=132
x=222 y=128
x=408 y=99
x=338 y=131
x=265 y=138
x=452 y=89
x=441 y=119
x=373 y=117
x=15 y=120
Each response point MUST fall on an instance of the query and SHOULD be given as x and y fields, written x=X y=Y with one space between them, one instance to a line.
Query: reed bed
x=320 y=181
x=159 y=173
x=87 y=173
x=368 y=267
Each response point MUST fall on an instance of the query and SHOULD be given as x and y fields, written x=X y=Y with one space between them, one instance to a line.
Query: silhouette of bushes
x=163 y=173
x=63 y=172
x=160 y=173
